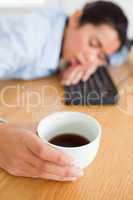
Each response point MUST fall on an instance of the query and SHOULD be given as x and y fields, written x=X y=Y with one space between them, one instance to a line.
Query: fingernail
x=77 y=172
x=74 y=83
x=86 y=78
x=71 y=179
x=68 y=83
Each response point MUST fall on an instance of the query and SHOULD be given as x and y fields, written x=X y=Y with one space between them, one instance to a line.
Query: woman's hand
x=82 y=70
x=23 y=153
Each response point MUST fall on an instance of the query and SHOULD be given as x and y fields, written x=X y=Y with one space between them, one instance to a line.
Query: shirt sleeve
x=21 y=40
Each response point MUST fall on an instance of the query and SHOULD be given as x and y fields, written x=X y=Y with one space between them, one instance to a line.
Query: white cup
x=73 y=122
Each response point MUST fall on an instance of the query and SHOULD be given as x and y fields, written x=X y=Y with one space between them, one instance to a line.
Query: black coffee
x=69 y=140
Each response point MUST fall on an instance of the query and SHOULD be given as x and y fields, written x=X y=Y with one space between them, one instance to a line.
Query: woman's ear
x=74 y=19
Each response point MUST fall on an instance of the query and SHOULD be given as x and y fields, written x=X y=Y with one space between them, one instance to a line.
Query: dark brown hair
x=105 y=12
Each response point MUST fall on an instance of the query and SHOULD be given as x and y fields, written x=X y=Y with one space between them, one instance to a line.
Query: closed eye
x=94 y=42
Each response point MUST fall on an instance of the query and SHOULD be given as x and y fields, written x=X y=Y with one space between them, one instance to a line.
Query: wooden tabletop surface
x=110 y=176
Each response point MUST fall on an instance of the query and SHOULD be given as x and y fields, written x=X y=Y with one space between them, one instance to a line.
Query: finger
x=70 y=78
x=31 y=172
x=55 y=169
x=82 y=60
x=49 y=176
x=76 y=73
x=23 y=170
x=66 y=74
x=62 y=171
x=37 y=168
x=89 y=72
x=46 y=152
x=31 y=166
x=78 y=77
x=43 y=169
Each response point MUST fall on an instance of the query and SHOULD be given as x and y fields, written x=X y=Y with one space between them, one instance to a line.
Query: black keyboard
x=98 y=90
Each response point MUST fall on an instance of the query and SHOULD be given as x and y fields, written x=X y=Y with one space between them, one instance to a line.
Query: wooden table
x=110 y=176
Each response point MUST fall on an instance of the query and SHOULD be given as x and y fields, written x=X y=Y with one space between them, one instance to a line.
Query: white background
x=69 y=6
x=15 y=3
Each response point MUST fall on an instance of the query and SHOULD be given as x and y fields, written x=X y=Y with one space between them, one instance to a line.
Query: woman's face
x=92 y=43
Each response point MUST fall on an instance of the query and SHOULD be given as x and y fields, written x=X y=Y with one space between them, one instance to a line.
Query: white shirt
x=30 y=44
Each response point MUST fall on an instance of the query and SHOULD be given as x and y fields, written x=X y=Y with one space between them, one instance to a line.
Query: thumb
x=46 y=152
